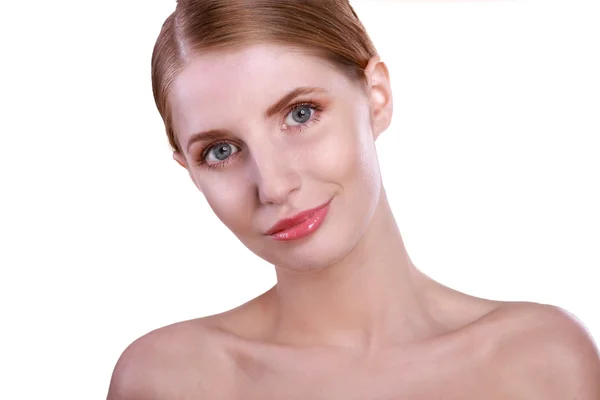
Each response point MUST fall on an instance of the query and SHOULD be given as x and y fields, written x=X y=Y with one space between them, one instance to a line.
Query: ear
x=177 y=156
x=379 y=91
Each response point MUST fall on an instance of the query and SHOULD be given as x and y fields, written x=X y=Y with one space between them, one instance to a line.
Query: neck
x=366 y=300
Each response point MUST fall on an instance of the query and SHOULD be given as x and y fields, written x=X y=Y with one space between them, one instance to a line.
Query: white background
x=492 y=166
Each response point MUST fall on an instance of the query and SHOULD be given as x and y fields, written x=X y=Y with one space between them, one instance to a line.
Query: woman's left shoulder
x=546 y=349
x=525 y=320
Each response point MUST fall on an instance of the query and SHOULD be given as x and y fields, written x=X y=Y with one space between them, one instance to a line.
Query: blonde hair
x=329 y=28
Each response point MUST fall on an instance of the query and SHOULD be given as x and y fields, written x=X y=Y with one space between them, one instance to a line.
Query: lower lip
x=304 y=228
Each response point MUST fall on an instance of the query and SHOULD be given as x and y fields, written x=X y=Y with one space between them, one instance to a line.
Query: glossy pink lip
x=299 y=225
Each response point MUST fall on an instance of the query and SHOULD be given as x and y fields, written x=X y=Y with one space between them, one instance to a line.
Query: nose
x=275 y=175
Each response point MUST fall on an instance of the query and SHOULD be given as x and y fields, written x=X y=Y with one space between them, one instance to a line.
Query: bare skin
x=350 y=317
x=198 y=360
x=456 y=347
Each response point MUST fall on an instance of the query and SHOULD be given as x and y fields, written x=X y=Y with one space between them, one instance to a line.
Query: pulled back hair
x=328 y=28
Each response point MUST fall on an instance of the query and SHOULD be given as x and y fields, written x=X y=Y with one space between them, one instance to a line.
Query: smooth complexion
x=350 y=316
x=278 y=172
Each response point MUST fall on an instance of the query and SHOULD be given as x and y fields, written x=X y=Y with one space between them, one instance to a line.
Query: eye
x=220 y=152
x=299 y=115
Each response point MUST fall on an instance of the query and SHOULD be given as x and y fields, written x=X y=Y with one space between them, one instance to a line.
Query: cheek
x=228 y=198
x=335 y=158
x=345 y=155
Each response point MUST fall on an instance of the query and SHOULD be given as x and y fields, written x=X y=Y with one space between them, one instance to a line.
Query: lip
x=300 y=225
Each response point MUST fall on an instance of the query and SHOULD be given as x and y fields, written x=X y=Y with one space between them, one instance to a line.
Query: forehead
x=216 y=88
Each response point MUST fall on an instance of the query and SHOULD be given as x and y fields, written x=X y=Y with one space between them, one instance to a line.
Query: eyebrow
x=271 y=111
x=213 y=134
x=283 y=102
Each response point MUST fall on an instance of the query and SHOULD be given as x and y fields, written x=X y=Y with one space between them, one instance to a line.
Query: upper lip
x=294 y=220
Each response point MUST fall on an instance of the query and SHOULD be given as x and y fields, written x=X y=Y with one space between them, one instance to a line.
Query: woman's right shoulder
x=168 y=359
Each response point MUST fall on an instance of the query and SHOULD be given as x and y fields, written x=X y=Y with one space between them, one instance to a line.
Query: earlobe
x=380 y=95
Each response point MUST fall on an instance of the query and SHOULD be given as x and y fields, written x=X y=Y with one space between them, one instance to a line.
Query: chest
x=265 y=373
x=388 y=378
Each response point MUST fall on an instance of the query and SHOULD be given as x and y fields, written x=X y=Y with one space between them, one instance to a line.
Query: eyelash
x=299 y=128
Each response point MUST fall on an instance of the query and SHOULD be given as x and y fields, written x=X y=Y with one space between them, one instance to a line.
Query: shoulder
x=199 y=356
x=543 y=351
x=135 y=374
x=169 y=359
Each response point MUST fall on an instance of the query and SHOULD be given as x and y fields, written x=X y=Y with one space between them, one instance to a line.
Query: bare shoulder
x=183 y=357
x=543 y=352
x=196 y=358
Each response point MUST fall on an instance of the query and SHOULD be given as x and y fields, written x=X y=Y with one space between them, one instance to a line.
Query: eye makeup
x=317 y=109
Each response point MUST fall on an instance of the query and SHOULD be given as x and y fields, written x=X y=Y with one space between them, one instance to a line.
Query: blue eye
x=220 y=152
x=300 y=115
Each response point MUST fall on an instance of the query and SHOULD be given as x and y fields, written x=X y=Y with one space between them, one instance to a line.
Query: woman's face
x=267 y=132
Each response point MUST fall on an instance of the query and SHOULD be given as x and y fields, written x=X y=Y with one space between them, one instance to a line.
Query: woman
x=273 y=107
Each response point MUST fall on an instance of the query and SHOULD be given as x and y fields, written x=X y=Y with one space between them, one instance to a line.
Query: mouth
x=299 y=225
